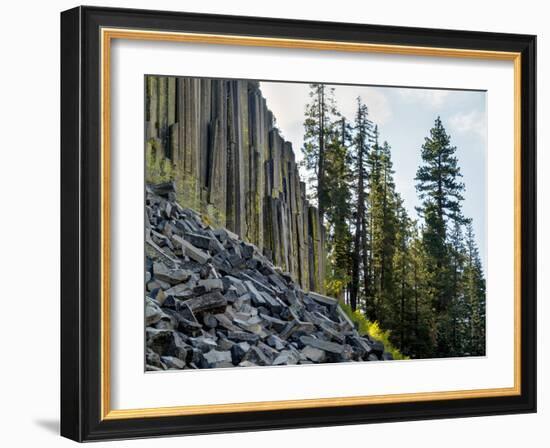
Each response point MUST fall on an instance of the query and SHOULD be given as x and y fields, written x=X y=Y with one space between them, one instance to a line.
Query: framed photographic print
x=276 y=224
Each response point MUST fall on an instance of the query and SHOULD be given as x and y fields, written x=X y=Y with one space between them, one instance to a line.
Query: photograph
x=292 y=223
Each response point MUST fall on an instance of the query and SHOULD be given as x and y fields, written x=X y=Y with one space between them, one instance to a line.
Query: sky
x=404 y=117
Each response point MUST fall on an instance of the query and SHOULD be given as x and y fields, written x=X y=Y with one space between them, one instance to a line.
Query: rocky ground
x=215 y=301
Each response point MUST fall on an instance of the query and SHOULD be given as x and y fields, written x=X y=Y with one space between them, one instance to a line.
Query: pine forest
x=420 y=277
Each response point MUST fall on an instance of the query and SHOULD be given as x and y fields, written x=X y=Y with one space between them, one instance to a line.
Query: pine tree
x=453 y=331
x=320 y=117
x=474 y=292
x=361 y=141
x=440 y=189
x=373 y=174
x=382 y=204
x=438 y=179
x=400 y=302
x=338 y=209
x=423 y=337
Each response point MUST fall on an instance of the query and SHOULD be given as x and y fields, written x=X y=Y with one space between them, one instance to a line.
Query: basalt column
x=232 y=165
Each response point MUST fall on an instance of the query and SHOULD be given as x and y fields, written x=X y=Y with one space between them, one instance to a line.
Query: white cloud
x=379 y=107
x=428 y=97
x=473 y=121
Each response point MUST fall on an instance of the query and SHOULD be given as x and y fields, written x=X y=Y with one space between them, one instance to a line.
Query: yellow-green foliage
x=365 y=326
x=160 y=169
x=213 y=217
x=334 y=286
x=187 y=193
x=157 y=169
x=336 y=279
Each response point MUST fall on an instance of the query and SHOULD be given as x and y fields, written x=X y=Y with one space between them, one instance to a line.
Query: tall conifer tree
x=320 y=118
x=474 y=291
x=361 y=141
x=382 y=204
x=338 y=209
x=440 y=189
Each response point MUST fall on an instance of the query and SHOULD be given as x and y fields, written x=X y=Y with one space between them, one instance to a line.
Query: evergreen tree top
x=438 y=178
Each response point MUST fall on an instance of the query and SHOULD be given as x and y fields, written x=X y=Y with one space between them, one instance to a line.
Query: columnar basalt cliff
x=235 y=165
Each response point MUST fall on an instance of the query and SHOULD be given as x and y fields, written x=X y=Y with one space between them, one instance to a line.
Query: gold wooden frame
x=107 y=35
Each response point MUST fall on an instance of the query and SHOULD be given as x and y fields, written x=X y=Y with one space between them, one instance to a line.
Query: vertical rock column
x=258 y=131
x=235 y=162
x=217 y=152
x=316 y=251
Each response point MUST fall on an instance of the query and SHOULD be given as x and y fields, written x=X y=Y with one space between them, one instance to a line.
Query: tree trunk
x=358 y=230
x=366 y=276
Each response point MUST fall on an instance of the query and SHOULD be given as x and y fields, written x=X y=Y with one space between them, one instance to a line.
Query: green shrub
x=160 y=169
x=157 y=169
x=366 y=327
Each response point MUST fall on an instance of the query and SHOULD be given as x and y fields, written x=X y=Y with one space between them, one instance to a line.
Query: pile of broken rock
x=215 y=301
